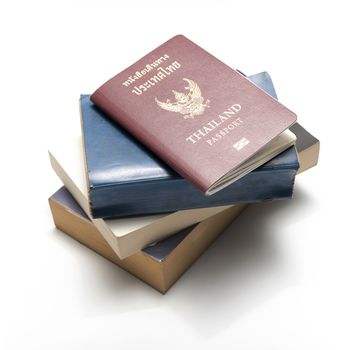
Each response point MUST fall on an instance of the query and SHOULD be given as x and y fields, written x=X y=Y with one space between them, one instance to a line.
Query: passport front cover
x=197 y=114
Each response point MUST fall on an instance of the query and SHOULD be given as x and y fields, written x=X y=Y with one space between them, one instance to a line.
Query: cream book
x=126 y=236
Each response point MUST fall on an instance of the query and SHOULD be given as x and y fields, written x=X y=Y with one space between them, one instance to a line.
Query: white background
x=279 y=276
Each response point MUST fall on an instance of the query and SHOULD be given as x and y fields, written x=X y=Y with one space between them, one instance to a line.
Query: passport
x=204 y=119
x=126 y=179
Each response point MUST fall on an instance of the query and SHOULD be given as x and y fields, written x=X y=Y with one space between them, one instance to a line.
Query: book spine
x=152 y=197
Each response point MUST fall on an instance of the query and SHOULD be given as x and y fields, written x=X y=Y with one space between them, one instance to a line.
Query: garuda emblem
x=189 y=105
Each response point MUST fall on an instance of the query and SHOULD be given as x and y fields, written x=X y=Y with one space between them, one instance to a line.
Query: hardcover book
x=125 y=178
x=205 y=120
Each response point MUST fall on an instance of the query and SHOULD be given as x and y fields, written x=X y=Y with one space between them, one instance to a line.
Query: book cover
x=201 y=117
x=125 y=178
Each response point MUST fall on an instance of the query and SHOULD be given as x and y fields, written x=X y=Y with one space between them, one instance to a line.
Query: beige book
x=160 y=265
x=129 y=235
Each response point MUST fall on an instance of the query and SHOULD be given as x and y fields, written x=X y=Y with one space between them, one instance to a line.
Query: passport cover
x=125 y=178
x=198 y=115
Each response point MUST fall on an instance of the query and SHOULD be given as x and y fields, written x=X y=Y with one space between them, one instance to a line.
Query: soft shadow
x=105 y=288
x=241 y=270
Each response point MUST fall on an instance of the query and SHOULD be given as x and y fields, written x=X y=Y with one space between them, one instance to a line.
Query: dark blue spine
x=172 y=195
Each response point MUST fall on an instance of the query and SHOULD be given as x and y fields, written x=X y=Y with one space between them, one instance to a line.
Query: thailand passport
x=204 y=119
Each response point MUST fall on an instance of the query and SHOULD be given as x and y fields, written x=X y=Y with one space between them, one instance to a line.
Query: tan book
x=160 y=265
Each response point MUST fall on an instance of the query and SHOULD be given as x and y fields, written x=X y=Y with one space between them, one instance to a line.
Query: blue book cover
x=126 y=179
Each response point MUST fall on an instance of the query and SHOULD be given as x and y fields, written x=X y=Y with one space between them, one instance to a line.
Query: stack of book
x=172 y=150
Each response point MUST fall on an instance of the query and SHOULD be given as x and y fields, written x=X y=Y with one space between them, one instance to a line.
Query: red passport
x=203 y=118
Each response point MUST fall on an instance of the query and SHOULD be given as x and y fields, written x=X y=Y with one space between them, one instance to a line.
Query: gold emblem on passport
x=189 y=105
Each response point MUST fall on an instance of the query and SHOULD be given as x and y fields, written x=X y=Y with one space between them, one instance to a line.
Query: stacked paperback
x=172 y=150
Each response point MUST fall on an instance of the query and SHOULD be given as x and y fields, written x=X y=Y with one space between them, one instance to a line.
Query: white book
x=126 y=236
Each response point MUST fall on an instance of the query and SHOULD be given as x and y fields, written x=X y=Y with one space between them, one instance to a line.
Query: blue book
x=126 y=179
